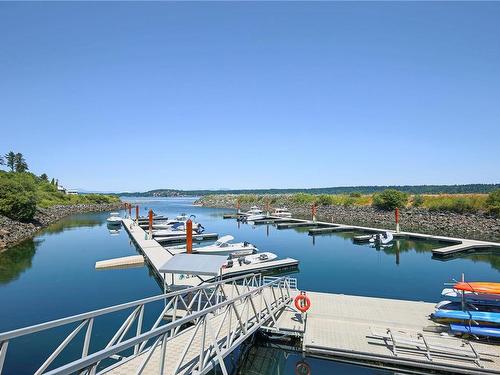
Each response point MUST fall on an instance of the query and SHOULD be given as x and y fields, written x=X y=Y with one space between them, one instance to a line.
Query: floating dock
x=123 y=262
x=157 y=256
x=359 y=329
x=452 y=245
x=182 y=238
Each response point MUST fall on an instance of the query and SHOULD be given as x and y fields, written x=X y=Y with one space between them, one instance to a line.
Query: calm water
x=54 y=276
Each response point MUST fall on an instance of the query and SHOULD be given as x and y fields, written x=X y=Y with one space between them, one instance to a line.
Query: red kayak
x=478 y=287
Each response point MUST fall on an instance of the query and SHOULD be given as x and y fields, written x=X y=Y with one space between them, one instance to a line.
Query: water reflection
x=16 y=260
x=76 y=221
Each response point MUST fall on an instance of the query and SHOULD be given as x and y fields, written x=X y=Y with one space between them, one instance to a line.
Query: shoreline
x=13 y=232
x=476 y=226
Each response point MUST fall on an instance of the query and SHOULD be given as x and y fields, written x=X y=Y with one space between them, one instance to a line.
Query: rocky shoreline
x=13 y=232
x=480 y=226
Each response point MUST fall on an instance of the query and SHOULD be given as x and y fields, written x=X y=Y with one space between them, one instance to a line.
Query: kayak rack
x=420 y=345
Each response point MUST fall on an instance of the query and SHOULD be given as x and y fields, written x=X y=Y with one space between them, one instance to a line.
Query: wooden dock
x=122 y=262
x=182 y=238
x=351 y=328
x=298 y=224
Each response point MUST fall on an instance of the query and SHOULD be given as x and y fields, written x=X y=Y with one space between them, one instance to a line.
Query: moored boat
x=224 y=246
x=114 y=219
x=282 y=212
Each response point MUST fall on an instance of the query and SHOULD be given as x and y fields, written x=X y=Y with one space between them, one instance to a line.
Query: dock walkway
x=351 y=328
x=157 y=256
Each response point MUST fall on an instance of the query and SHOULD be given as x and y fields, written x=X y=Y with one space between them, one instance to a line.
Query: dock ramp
x=216 y=318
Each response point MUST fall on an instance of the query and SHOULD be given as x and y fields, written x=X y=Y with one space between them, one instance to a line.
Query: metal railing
x=206 y=321
x=292 y=281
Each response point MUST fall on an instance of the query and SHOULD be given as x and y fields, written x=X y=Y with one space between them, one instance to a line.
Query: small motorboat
x=177 y=230
x=179 y=223
x=254 y=213
x=382 y=238
x=259 y=258
x=251 y=259
x=114 y=219
x=223 y=246
x=282 y=212
x=478 y=287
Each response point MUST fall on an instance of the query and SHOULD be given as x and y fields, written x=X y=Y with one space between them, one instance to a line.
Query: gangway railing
x=205 y=323
x=292 y=281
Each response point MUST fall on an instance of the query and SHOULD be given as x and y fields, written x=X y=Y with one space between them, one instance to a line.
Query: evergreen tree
x=52 y=182
x=44 y=177
x=20 y=164
x=11 y=160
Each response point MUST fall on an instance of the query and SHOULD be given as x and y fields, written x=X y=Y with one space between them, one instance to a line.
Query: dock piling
x=189 y=236
x=150 y=224
x=396 y=214
x=313 y=211
x=137 y=214
x=129 y=210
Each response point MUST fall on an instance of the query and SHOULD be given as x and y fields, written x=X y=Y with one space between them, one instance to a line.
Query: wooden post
x=189 y=236
x=137 y=214
x=396 y=214
x=313 y=211
x=267 y=207
x=150 y=224
x=130 y=211
x=238 y=205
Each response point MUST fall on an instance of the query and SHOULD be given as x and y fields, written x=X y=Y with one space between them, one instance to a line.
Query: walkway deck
x=342 y=326
x=455 y=245
x=157 y=255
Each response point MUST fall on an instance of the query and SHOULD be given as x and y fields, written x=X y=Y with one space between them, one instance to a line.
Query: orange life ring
x=302 y=302
x=302 y=368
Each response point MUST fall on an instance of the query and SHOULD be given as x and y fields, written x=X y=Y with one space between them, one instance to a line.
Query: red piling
x=150 y=223
x=189 y=236
x=137 y=214
x=396 y=216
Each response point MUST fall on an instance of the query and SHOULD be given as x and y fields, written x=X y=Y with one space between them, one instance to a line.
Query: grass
x=459 y=203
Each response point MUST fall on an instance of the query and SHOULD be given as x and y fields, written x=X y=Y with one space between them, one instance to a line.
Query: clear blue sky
x=136 y=96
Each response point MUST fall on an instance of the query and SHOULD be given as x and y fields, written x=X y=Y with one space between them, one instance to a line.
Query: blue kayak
x=476 y=330
x=482 y=316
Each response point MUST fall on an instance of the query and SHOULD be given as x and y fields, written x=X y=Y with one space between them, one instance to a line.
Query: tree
x=2 y=161
x=11 y=160
x=18 y=196
x=44 y=177
x=52 y=182
x=389 y=199
x=20 y=163
x=493 y=202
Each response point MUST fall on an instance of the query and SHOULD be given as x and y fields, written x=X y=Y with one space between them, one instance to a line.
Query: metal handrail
x=106 y=353
x=194 y=314
x=92 y=314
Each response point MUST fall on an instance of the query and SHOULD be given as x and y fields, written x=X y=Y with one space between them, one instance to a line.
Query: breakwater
x=480 y=226
x=13 y=232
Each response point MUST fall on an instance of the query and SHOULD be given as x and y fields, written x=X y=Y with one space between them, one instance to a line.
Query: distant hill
x=412 y=189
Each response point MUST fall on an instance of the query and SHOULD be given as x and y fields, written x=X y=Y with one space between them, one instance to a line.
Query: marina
x=335 y=328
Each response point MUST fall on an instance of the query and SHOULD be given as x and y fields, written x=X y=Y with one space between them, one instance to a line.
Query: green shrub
x=355 y=194
x=418 y=201
x=389 y=199
x=493 y=202
x=18 y=197
x=459 y=204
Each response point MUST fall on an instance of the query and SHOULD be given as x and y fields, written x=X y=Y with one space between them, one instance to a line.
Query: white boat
x=179 y=223
x=223 y=246
x=114 y=219
x=282 y=212
x=382 y=238
x=259 y=258
x=256 y=217
x=456 y=295
x=254 y=210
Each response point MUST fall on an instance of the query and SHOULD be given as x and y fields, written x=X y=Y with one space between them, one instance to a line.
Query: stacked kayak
x=471 y=308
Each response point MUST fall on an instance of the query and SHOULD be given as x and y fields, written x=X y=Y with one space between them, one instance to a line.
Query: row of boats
x=255 y=213
x=471 y=308
x=241 y=252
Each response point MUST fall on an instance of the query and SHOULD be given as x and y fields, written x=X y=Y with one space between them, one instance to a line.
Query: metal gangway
x=195 y=330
